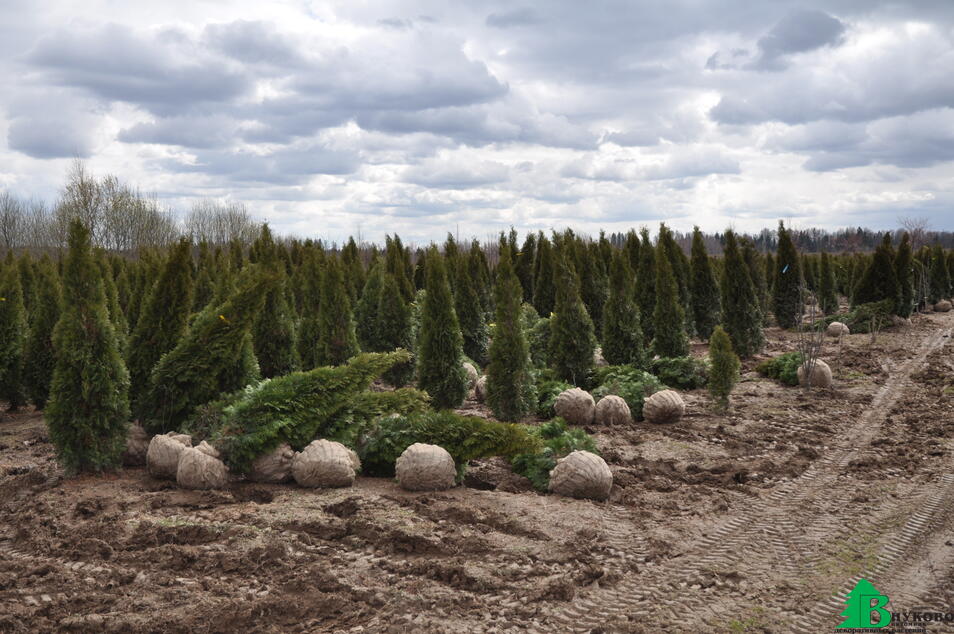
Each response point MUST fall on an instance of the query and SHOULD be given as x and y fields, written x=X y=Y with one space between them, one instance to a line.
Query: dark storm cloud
x=799 y=31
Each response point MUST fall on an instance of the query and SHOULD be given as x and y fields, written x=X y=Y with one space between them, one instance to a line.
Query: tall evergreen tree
x=523 y=266
x=828 y=298
x=116 y=315
x=310 y=330
x=723 y=368
x=741 y=315
x=204 y=280
x=509 y=381
x=669 y=316
x=544 y=290
x=394 y=329
x=480 y=274
x=757 y=274
x=163 y=320
x=706 y=302
x=470 y=315
x=274 y=333
x=27 y=282
x=940 y=276
x=13 y=333
x=337 y=341
x=353 y=269
x=39 y=357
x=787 y=296
x=594 y=283
x=572 y=339
x=366 y=311
x=397 y=263
x=681 y=273
x=631 y=248
x=903 y=269
x=88 y=411
x=622 y=336
x=646 y=286
x=879 y=280
x=440 y=344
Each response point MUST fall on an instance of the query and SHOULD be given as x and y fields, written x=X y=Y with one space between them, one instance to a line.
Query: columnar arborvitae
x=470 y=315
x=940 y=276
x=786 y=298
x=116 y=315
x=274 y=333
x=394 y=329
x=572 y=339
x=594 y=283
x=366 y=310
x=544 y=290
x=204 y=279
x=309 y=330
x=723 y=368
x=353 y=270
x=13 y=333
x=509 y=381
x=646 y=286
x=808 y=273
x=631 y=248
x=741 y=315
x=215 y=356
x=162 y=322
x=397 y=263
x=88 y=410
x=337 y=341
x=756 y=274
x=903 y=270
x=523 y=266
x=828 y=297
x=439 y=342
x=39 y=358
x=420 y=270
x=680 y=271
x=27 y=282
x=706 y=300
x=480 y=274
x=879 y=280
x=622 y=335
x=669 y=317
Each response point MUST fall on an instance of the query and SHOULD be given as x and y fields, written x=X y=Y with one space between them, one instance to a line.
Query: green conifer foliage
x=88 y=410
x=337 y=341
x=39 y=357
x=723 y=368
x=879 y=280
x=572 y=339
x=480 y=273
x=706 y=300
x=668 y=316
x=741 y=315
x=622 y=335
x=420 y=269
x=523 y=266
x=116 y=315
x=681 y=272
x=394 y=329
x=214 y=357
x=510 y=390
x=274 y=334
x=398 y=263
x=353 y=268
x=470 y=314
x=594 y=283
x=787 y=297
x=366 y=311
x=27 y=282
x=13 y=333
x=756 y=274
x=646 y=286
x=808 y=273
x=828 y=297
x=439 y=342
x=205 y=278
x=163 y=321
x=631 y=247
x=940 y=276
x=544 y=289
x=309 y=330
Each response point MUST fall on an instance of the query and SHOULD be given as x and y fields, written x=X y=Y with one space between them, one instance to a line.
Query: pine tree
x=741 y=315
x=509 y=381
x=215 y=356
x=88 y=410
x=903 y=269
x=439 y=343
x=723 y=368
x=163 y=321
x=39 y=357
x=274 y=333
x=13 y=333
x=828 y=298
x=622 y=336
x=879 y=280
x=366 y=312
x=787 y=297
x=337 y=341
x=544 y=290
x=668 y=316
x=646 y=286
x=470 y=315
x=572 y=340
x=706 y=303
x=394 y=329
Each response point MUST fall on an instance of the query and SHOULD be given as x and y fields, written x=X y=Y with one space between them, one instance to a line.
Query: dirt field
x=748 y=522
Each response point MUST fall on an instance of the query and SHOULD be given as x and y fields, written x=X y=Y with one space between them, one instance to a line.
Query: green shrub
x=682 y=373
x=548 y=388
x=557 y=440
x=629 y=383
x=465 y=438
x=725 y=368
x=782 y=368
x=538 y=339
x=864 y=316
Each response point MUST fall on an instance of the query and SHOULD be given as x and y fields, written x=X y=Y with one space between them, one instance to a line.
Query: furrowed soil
x=759 y=520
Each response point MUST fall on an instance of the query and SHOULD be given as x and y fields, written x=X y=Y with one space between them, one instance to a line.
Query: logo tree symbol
x=863 y=601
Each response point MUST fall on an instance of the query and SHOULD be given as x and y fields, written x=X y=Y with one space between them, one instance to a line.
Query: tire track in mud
x=778 y=526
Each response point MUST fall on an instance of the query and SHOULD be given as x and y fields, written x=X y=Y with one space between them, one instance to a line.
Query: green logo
x=863 y=602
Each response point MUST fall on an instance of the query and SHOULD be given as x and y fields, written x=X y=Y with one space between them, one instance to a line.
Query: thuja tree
x=706 y=300
x=215 y=356
x=480 y=274
x=13 y=332
x=723 y=368
x=88 y=410
x=439 y=343
x=309 y=329
x=903 y=268
x=353 y=268
x=622 y=336
x=879 y=280
x=523 y=266
x=646 y=285
x=115 y=311
x=366 y=310
x=669 y=318
x=756 y=274
x=397 y=261
x=337 y=341
x=828 y=297
x=39 y=357
x=594 y=283
x=631 y=248
x=510 y=391
x=274 y=333
x=162 y=322
x=470 y=315
x=544 y=290
x=741 y=315
x=394 y=329
x=680 y=271
x=572 y=339
x=786 y=294
x=940 y=276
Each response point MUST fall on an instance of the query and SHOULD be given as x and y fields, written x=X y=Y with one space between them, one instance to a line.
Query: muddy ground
x=747 y=522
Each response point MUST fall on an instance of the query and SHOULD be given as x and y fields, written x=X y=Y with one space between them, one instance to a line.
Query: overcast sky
x=422 y=117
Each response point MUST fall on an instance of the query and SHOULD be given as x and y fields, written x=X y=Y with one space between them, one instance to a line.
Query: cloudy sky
x=421 y=117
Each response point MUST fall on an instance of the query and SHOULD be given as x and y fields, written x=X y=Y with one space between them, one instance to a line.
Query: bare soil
x=753 y=521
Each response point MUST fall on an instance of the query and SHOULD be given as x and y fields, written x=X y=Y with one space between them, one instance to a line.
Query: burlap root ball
x=581 y=474
x=942 y=306
x=665 y=406
x=137 y=445
x=324 y=464
x=162 y=457
x=613 y=410
x=598 y=359
x=576 y=406
x=472 y=375
x=273 y=467
x=480 y=389
x=201 y=468
x=425 y=468
x=837 y=329
x=821 y=375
